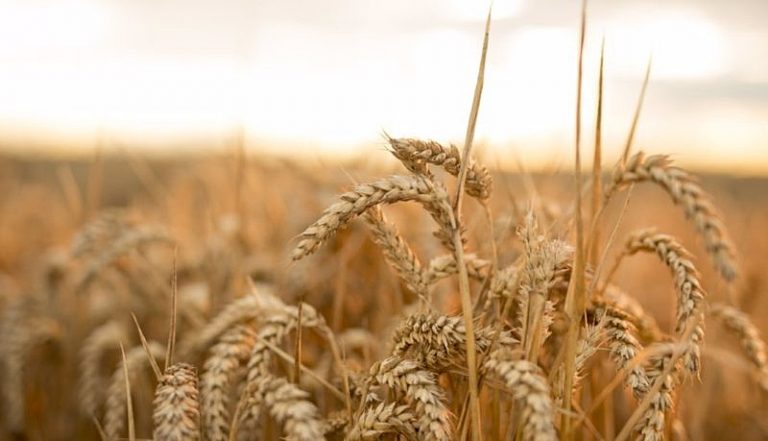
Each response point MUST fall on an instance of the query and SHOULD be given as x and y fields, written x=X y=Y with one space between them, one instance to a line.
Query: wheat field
x=426 y=296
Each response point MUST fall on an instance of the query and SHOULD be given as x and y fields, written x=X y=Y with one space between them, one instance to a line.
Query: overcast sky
x=330 y=75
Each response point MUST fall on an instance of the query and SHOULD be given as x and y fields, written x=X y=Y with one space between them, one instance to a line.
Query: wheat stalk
x=176 y=405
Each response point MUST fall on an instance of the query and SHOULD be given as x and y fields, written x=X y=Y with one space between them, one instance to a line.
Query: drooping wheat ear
x=445 y=266
x=375 y=422
x=250 y=307
x=126 y=242
x=104 y=228
x=684 y=191
x=753 y=346
x=536 y=280
x=136 y=361
x=106 y=337
x=689 y=291
x=21 y=329
x=273 y=331
x=287 y=404
x=644 y=322
x=419 y=388
x=651 y=424
x=397 y=252
x=176 y=405
x=587 y=345
x=624 y=347
x=232 y=350
x=335 y=423
x=529 y=387
x=415 y=154
x=437 y=341
x=504 y=283
x=384 y=191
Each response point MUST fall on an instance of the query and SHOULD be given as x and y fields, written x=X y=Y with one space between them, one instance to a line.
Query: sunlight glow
x=85 y=69
x=684 y=45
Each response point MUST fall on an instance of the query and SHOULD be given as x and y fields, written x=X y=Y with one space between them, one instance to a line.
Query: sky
x=310 y=77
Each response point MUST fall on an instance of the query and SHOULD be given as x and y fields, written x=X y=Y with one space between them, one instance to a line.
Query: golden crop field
x=420 y=292
x=669 y=344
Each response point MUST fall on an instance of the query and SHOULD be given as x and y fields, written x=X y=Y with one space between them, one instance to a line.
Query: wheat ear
x=176 y=405
x=437 y=341
x=19 y=333
x=651 y=425
x=397 y=252
x=104 y=338
x=686 y=192
x=445 y=266
x=287 y=404
x=125 y=243
x=530 y=388
x=754 y=347
x=624 y=347
x=419 y=387
x=384 y=191
x=415 y=154
x=375 y=422
x=687 y=284
x=232 y=350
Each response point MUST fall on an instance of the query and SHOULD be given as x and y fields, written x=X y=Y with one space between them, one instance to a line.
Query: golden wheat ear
x=687 y=193
x=176 y=405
